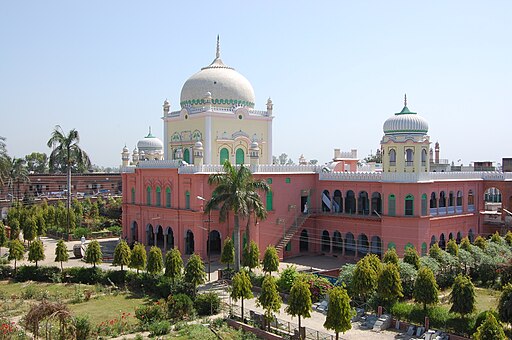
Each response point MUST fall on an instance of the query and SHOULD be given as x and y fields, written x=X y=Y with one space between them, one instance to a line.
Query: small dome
x=125 y=149
x=254 y=145
x=198 y=145
x=405 y=122
x=149 y=143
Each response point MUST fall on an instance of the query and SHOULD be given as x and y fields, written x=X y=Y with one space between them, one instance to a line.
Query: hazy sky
x=336 y=70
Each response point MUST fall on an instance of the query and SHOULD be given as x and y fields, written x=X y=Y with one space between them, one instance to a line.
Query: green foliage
x=411 y=256
x=408 y=276
x=16 y=251
x=390 y=256
x=155 y=261
x=36 y=251
x=269 y=298
x=299 y=301
x=83 y=327
x=401 y=310
x=339 y=312
x=505 y=304
x=150 y=313
x=480 y=242
x=481 y=317
x=462 y=296
x=93 y=253
x=160 y=328
x=180 y=307
x=345 y=277
x=173 y=264
x=207 y=303
x=270 y=260
x=425 y=288
x=29 y=229
x=364 y=281
x=496 y=238
x=508 y=238
x=194 y=271
x=287 y=277
x=435 y=252
x=84 y=275
x=389 y=287
x=122 y=254
x=14 y=223
x=3 y=236
x=251 y=256
x=319 y=286
x=79 y=232
x=241 y=286
x=465 y=244
x=490 y=330
x=138 y=258
x=39 y=274
x=228 y=252
x=452 y=247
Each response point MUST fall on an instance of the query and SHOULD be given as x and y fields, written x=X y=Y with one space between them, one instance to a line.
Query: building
x=331 y=209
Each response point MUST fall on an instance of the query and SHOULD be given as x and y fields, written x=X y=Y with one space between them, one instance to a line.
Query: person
x=82 y=239
x=305 y=208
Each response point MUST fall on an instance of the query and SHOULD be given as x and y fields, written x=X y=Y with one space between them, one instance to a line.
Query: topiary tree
x=339 y=312
x=269 y=298
x=364 y=281
x=490 y=330
x=194 y=271
x=93 y=253
x=16 y=251
x=508 y=238
x=241 y=288
x=390 y=256
x=251 y=255
x=270 y=260
x=14 y=224
x=411 y=256
x=389 y=286
x=173 y=264
x=61 y=253
x=452 y=247
x=465 y=244
x=425 y=288
x=496 y=238
x=122 y=254
x=228 y=252
x=299 y=301
x=138 y=258
x=480 y=242
x=462 y=296
x=36 y=251
x=29 y=230
x=435 y=252
x=505 y=304
x=287 y=278
x=155 y=261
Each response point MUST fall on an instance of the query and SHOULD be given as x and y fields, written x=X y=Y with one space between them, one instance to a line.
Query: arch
x=442 y=241
x=392 y=157
x=450 y=236
x=350 y=244
x=189 y=242
x=471 y=236
x=459 y=237
x=471 y=201
x=350 y=202
x=391 y=205
x=150 y=235
x=408 y=245
x=134 y=237
x=148 y=195
x=423 y=157
x=186 y=155
x=376 y=203
x=492 y=195
x=187 y=199
x=160 y=237
x=376 y=246
x=224 y=155
x=424 y=205
x=326 y=201
x=362 y=245
x=363 y=205
x=214 y=243
x=326 y=242
x=168 y=197
x=451 y=199
x=442 y=199
x=239 y=156
x=433 y=200
x=169 y=234
x=433 y=241
x=337 y=203
x=270 y=200
x=409 y=205
x=304 y=241
x=391 y=245
x=409 y=157
x=423 y=249
x=459 y=202
x=337 y=243
x=158 y=196
x=133 y=195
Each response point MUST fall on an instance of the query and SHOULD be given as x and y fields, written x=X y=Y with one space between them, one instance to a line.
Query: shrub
x=83 y=275
x=319 y=286
x=150 y=313
x=179 y=307
x=461 y=325
x=40 y=274
x=438 y=316
x=160 y=328
x=6 y=272
x=207 y=303
x=256 y=279
x=480 y=318
x=286 y=279
x=79 y=232
x=401 y=310
x=82 y=327
x=117 y=277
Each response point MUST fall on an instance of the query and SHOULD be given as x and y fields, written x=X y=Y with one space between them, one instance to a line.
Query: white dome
x=405 y=122
x=149 y=143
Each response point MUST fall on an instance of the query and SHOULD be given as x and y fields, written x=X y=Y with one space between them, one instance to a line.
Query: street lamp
x=209 y=242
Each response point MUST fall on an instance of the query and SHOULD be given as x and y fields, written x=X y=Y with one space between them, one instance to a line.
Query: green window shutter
x=424 y=205
x=186 y=156
x=133 y=195
x=158 y=196
x=168 y=197
x=391 y=245
x=409 y=205
x=287 y=180
x=270 y=203
x=148 y=196
x=187 y=200
x=288 y=246
x=224 y=155
x=240 y=156
x=269 y=180
x=391 y=205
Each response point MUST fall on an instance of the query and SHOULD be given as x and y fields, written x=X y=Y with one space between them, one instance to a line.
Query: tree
x=299 y=301
x=122 y=254
x=269 y=298
x=93 y=253
x=496 y=238
x=339 y=312
x=155 y=261
x=4 y=161
x=411 y=256
x=389 y=286
x=138 y=258
x=465 y=244
x=425 y=288
x=61 y=253
x=16 y=173
x=228 y=252
x=390 y=256
x=435 y=252
x=505 y=304
x=480 y=242
x=16 y=251
x=462 y=296
x=36 y=251
x=364 y=281
x=29 y=230
x=251 y=257
x=508 y=238
x=452 y=247
x=270 y=260
x=490 y=330
x=194 y=271
x=37 y=162
x=241 y=288
x=282 y=159
x=65 y=156
x=236 y=191
x=3 y=236
x=173 y=264
x=14 y=223
x=377 y=158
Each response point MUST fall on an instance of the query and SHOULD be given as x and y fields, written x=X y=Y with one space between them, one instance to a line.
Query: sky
x=335 y=70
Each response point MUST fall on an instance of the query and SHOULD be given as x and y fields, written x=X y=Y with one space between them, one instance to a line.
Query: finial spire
x=217 y=55
x=405 y=99
x=150 y=129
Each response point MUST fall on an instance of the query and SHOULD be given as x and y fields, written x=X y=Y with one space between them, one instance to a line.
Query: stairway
x=297 y=223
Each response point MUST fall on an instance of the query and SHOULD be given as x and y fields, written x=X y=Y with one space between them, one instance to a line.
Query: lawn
x=486 y=298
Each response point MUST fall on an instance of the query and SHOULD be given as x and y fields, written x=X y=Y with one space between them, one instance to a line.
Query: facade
x=332 y=209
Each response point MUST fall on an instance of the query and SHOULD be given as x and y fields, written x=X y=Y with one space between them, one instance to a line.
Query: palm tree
x=16 y=173
x=67 y=154
x=236 y=191
x=4 y=161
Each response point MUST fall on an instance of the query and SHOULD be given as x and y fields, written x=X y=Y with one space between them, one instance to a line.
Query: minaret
x=198 y=153
x=254 y=154
x=166 y=107
x=437 y=152
x=125 y=156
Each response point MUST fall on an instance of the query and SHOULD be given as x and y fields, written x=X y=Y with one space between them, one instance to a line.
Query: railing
x=351 y=176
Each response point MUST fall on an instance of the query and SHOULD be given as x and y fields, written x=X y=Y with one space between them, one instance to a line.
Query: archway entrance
x=133 y=233
x=326 y=242
x=350 y=245
x=376 y=246
x=170 y=238
x=189 y=243
x=214 y=243
x=150 y=235
x=362 y=245
x=304 y=241
x=160 y=237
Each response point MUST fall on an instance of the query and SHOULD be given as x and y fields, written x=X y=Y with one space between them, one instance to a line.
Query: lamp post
x=209 y=243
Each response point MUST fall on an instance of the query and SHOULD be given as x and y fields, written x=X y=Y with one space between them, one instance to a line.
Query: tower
x=125 y=156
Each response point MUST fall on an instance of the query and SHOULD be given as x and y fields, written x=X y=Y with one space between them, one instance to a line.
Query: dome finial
x=405 y=99
x=150 y=129
x=217 y=54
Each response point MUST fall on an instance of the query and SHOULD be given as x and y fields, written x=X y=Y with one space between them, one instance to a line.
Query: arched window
x=392 y=157
x=224 y=155
x=167 y=197
x=423 y=249
x=451 y=199
x=337 y=243
x=471 y=198
x=391 y=205
x=186 y=155
x=337 y=201
x=433 y=200
x=133 y=195
x=148 y=196
x=424 y=205
x=240 y=156
x=187 y=200
x=442 y=199
x=409 y=205
x=270 y=201
x=409 y=157
x=423 y=157
x=459 y=198
x=326 y=201
x=158 y=196
x=391 y=245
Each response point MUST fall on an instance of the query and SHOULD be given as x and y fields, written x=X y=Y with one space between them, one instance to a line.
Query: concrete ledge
x=256 y=331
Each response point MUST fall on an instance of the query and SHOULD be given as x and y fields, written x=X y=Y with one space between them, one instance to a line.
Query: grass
x=486 y=298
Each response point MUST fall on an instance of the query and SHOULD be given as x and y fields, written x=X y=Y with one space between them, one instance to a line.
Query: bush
x=179 y=307
x=207 y=303
x=319 y=286
x=150 y=313
x=228 y=274
x=115 y=230
x=480 y=318
x=461 y=326
x=82 y=327
x=6 y=272
x=401 y=310
x=160 y=328
x=286 y=279
x=117 y=277
x=256 y=279
x=40 y=274
x=84 y=275
x=79 y=232
x=439 y=317
x=166 y=287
